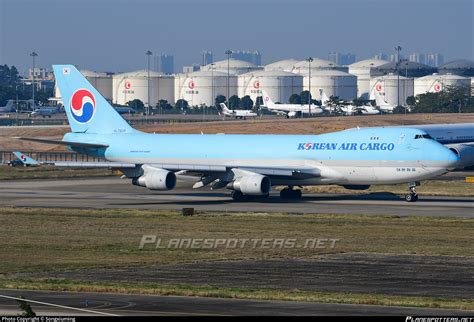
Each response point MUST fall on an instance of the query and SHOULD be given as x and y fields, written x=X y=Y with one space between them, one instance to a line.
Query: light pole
x=212 y=85
x=33 y=55
x=309 y=60
x=397 y=67
x=228 y=53
x=148 y=53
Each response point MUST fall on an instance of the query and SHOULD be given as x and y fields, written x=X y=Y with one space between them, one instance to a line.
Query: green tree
x=234 y=101
x=181 y=104
x=305 y=97
x=136 y=104
x=219 y=99
x=246 y=103
x=452 y=99
x=295 y=99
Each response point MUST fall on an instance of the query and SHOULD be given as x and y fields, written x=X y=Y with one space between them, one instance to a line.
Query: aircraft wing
x=191 y=169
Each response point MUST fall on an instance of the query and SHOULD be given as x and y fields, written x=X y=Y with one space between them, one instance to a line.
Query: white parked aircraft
x=289 y=110
x=346 y=109
x=238 y=114
x=8 y=108
x=46 y=111
x=382 y=105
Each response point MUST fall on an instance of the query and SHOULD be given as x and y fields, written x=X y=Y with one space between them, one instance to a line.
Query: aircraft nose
x=451 y=157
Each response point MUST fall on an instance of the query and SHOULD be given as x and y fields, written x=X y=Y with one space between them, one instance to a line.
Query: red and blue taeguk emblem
x=82 y=105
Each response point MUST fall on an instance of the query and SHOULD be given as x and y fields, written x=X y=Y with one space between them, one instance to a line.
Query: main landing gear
x=412 y=196
x=239 y=196
x=290 y=193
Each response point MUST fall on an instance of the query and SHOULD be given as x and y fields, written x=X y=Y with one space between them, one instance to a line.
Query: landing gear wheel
x=412 y=196
x=290 y=193
x=237 y=195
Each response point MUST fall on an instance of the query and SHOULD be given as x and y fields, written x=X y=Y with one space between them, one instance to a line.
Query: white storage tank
x=134 y=85
x=302 y=66
x=279 y=85
x=235 y=66
x=201 y=87
x=285 y=64
x=364 y=70
x=387 y=86
x=101 y=82
x=436 y=83
x=333 y=82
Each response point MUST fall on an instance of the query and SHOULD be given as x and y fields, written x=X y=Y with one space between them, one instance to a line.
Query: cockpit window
x=423 y=136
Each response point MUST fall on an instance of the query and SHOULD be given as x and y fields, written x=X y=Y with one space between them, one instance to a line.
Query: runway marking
x=57 y=305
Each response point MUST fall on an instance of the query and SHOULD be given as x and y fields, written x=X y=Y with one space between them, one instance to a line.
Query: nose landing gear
x=412 y=196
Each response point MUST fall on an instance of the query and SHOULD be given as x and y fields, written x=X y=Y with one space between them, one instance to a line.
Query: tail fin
x=10 y=104
x=25 y=159
x=379 y=100
x=224 y=108
x=267 y=101
x=86 y=109
x=324 y=97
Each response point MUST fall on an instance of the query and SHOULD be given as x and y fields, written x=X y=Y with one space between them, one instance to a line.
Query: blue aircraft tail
x=86 y=109
x=26 y=160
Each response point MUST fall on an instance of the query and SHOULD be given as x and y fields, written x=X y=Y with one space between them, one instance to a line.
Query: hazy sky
x=108 y=35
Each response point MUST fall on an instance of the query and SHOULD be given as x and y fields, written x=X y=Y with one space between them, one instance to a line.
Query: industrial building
x=436 y=83
x=134 y=85
x=201 y=87
x=280 y=85
x=394 y=88
x=365 y=70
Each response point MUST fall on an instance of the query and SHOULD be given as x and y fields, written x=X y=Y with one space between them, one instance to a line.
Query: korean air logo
x=23 y=158
x=82 y=106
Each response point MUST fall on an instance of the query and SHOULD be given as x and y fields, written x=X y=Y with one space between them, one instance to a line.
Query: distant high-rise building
x=381 y=56
x=253 y=57
x=434 y=60
x=190 y=69
x=396 y=57
x=207 y=58
x=417 y=58
x=342 y=59
x=164 y=63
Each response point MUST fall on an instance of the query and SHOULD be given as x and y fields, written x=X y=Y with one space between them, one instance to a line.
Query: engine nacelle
x=465 y=153
x=253 y=185
x=294 y=114
x=156 y=179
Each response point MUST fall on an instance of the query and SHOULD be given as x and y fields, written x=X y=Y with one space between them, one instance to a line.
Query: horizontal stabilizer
x=60 y=142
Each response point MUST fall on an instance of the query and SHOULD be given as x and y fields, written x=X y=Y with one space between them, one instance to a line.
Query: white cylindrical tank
x=436 y=83
x=279 y=85
x=364 y=70
x=201 y=87
x=302 y=66
x=285 y=64
x=234 y=66
x=332 y=82
x=134 y=85
x=387 y=86
x=101 y=82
